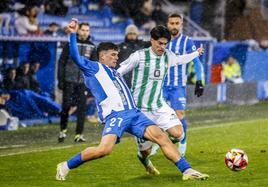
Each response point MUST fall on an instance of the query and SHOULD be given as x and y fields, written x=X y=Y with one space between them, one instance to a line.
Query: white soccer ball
x=236 y=159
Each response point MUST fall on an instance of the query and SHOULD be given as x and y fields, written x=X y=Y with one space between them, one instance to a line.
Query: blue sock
x=182 y=164
x=184 y=125
x=75 y=161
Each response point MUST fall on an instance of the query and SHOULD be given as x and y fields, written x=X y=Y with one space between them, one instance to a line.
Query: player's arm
x=184 y=59
x=129 y=64
x=198 y=67
x=79 y=60
x=85 y=65
x=199 y=88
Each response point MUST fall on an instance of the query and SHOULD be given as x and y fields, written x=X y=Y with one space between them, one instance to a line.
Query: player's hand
x=201 y=50
x=73 y=25
x=199 y=89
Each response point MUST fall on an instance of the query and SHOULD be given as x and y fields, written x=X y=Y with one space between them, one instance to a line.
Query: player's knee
x=161 y=138
x=180 y=137
x=179 y=134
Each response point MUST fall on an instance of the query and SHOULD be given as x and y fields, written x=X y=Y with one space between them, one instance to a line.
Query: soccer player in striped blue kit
x=117 y=110
x=174 y=89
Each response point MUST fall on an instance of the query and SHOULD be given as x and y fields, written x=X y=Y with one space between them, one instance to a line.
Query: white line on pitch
x=227 y=124
x=38 y=150
x=12 y=146
x=190 y=129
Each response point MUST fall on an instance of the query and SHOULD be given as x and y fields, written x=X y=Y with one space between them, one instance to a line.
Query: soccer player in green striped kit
x=150 y=67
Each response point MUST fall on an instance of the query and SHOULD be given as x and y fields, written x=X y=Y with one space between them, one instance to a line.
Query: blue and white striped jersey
x=109 y=89
x=177 y=75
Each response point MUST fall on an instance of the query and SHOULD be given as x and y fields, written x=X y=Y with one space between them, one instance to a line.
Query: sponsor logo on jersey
x=157 y=73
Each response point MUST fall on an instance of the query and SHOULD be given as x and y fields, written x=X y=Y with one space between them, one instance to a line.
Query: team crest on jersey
x=116 y=74
x=108 y=129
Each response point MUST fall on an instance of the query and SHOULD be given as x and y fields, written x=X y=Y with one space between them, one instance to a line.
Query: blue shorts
x=132 y=121
x=176 y=96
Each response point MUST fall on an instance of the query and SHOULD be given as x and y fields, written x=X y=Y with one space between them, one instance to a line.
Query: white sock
x=65 y=166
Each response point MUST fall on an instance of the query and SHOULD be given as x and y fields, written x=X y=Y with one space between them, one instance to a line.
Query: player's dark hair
x=105 y=46
x=83 y=24
x=160 y=31
x=175 y=15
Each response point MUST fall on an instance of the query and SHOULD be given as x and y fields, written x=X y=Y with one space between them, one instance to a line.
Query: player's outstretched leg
x=182 y=143
x=144 y=151
x=143 y=156
x=105 y=147
x=155 y=134
x=176 y=134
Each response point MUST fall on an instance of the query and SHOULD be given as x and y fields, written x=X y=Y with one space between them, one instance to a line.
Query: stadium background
x=225 y=28
x=108 y=24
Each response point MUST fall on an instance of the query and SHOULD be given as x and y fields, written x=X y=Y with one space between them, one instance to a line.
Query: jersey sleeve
x=198 y=67
x=181 y=59
x=87 y=66
x=129 y=64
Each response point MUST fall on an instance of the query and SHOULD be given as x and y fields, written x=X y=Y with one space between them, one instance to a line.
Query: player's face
x=159 y=46
x=174 y=25
x=83 y=32
x=109 y=58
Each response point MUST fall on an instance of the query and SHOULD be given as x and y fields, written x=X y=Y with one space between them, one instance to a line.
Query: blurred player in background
x=117 y=110
x=175 y=83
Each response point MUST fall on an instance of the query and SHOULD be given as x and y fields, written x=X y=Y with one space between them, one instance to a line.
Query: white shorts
x=164 y=117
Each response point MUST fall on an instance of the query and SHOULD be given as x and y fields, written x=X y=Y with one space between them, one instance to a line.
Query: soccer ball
x=236 y=159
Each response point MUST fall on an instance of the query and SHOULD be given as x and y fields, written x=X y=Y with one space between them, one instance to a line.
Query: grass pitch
x=35 y=163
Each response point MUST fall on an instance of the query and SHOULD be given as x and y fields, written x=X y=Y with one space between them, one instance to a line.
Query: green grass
x=212 y=132
x=207 y=147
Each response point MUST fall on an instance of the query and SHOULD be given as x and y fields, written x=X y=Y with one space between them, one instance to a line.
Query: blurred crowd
x=23 y=77
x=12 y=78
x=220 y=18
x=145 y=14
x=25 y=14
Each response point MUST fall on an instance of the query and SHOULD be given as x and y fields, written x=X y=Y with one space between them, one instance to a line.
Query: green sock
x=145 y=161
x=174 y=140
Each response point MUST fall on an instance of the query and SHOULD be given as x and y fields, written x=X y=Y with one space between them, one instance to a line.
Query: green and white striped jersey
x=149 y=71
